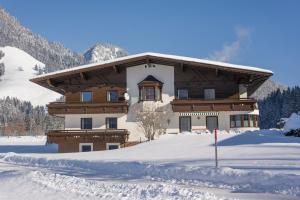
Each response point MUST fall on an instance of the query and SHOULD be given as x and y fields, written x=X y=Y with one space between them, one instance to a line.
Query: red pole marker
x=216 y=148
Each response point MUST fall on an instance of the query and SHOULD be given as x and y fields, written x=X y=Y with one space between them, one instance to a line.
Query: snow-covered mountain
x=101 y=52
x=19 y=68
x=53 y=54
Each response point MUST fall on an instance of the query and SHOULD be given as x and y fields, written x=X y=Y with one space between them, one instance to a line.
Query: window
x=112 y=96
x=150 y=89
x=157 y=93
x=237 y=121
x=232 y=121
x=209 y=94
x=111 y=123
x=182 y=94
x=246 y=120
x=85 y=147
x=112 y=146
x=148 y=93
x=251 y=120
x=86 y=96
x=86 y=123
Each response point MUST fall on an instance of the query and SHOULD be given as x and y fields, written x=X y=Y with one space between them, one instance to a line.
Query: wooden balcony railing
x=194 y=105
x=93 y=135
x=56 y=108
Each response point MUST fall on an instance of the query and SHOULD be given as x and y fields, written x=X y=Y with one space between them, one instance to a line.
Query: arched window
x=150 y=89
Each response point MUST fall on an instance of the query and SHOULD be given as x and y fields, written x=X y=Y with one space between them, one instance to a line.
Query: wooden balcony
x=196 y=105
x=88 y=136
x=61 y=108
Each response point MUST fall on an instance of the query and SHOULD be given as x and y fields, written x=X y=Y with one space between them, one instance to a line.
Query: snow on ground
x=292 y=123
x=27 y=144
x=15 y=81
x=253 y=165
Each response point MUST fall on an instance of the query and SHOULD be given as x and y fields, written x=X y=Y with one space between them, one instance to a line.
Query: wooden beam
x=102 y=78
x=83 y=76
x=117 y=70
x=49 y=82
x=148 y=62
x=182 y=67
x=200 y=75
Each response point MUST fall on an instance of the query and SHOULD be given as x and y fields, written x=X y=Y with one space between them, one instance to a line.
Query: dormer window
x=150 y=89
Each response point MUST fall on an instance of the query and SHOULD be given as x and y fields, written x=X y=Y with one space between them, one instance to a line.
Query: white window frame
x=108 y=144
x=107 y=122
x=108 y=95
x=82 y=144
x=82 y=97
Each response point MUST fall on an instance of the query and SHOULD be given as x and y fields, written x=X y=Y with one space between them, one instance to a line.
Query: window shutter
x=108 y=96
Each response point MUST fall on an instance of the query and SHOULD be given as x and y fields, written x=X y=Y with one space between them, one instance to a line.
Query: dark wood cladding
x=197 y=79
x=86 y=136
x=99 y=94
x=61 y=108
x=213 y=105
x=69 y=140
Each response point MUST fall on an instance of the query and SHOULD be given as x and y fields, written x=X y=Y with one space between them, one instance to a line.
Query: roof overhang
x=46 y=80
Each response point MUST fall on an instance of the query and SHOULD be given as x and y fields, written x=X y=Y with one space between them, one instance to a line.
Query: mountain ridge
x=53 y=54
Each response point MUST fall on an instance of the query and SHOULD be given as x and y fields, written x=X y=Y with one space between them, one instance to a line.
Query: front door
x=185 y=124
x=211 y=123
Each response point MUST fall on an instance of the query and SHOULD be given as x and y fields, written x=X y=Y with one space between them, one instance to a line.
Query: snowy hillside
x=102 y=52
x=267 y=88
x=19 y=68
x=253 y=165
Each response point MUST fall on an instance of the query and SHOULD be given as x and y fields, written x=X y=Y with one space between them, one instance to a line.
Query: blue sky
x=256 y=33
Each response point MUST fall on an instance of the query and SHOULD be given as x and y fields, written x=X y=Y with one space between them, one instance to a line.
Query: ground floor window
x=85 y=147
x=185 y=123
x=212 y=123
x=237 y=121
x=112 y=146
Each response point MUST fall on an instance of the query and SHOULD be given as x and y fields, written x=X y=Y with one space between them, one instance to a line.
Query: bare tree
x=153 y=120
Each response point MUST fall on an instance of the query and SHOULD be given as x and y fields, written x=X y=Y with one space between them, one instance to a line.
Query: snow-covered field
x=253 y=165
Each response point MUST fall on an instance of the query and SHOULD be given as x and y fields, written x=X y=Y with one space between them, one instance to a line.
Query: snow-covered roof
x=158 y=55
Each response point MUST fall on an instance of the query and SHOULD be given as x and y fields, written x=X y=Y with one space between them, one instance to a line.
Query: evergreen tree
x=21 y=118
x=279 y=104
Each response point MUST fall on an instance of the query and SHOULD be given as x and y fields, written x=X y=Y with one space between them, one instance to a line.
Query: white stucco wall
x=137 y=74
x=162 y=73
x=73 y=121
